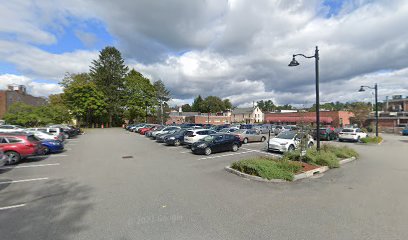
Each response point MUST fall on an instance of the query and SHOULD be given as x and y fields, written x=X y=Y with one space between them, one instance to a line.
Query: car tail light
x=56 y=138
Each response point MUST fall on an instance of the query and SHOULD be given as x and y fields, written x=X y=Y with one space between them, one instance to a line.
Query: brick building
x=333 y=118
x=212 y=119
x=17 y=93
x=396 y=104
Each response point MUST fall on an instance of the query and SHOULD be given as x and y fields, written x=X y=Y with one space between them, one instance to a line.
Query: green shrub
x=267 y=168
x=329 y=155
x=371 y=139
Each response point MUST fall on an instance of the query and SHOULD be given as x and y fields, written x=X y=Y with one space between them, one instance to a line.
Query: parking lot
x=113 y=184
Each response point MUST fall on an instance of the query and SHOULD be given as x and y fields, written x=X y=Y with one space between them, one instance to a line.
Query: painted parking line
x=12 y=206
x=226 y=155
x=186 y=152
x=266 y=153
x=31 y=165
x=23 y=180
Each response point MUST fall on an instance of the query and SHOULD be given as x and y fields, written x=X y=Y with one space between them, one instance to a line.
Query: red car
x=145 y=129
x=19 y=146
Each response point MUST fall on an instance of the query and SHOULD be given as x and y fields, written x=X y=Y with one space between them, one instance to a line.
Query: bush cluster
x=268 y=168
x=329 y=155
x=371 y=139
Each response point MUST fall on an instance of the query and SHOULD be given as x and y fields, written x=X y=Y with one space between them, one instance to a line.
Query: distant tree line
x=210 y=104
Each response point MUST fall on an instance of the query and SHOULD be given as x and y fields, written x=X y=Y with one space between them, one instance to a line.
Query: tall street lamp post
x=376 y=104
x=294 y=63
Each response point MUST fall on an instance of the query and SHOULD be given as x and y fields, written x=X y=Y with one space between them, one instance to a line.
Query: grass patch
x=268 y=168
x=371 y=139
x=329 y=155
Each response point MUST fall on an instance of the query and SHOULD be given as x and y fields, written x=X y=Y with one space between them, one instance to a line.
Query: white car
x=57 y=132
x=42 y=135
x=194 y=135
x=165 y=130
x=11 y=128
x=351 y=134
x=289 y=141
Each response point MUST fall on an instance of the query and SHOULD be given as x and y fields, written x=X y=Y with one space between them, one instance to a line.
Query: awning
x=277 y=119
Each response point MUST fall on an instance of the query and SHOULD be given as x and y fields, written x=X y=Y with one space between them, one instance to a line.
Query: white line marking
x=58 y=155
x=263 y=152
x=13 y=206
x=24 y=180
x=226 y=155
x=186 y=152
x=34 y=165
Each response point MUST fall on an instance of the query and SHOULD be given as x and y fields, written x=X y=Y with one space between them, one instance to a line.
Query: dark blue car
x=217 y=143
x=177 y=138
x=52 y=146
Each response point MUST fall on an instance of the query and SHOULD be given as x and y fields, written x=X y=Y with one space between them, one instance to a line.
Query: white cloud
x=238 y=49
x=33 y=88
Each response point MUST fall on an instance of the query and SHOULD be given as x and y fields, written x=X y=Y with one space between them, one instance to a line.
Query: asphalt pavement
x=112 y=184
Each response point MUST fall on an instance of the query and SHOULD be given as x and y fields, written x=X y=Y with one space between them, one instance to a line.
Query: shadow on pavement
x=55 y=210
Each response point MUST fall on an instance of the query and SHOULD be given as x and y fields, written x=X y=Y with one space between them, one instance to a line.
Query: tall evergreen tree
x=163 y=96
x=196 y=107
x=108 y=72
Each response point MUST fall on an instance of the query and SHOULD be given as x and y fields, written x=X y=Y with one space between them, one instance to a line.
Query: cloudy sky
x=236 y=49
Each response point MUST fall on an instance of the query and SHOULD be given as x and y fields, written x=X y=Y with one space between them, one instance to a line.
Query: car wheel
x=12 y=157
x=46 y=150
x=245 y=140
x=235 y=147
x=340 y=140
x=176 y=142
x=310 y=145
x=207 y=151
x=291 y=148
x=263 y=139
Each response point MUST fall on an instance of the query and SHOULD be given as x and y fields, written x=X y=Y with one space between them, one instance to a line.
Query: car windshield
x=208 y=138
x=241 y=131
x=286 y=135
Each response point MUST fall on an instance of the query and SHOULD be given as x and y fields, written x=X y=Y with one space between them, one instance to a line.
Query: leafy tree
x=266 y=106
x=163 y=96
x=213 y=104
x=108 y=72
x=196 y=107
x=227 y=104
x=84 y=100
x=186 y=108
x=361 y=111
x=140 y=96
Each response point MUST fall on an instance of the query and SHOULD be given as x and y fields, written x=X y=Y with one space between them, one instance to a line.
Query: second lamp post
x=294 y=63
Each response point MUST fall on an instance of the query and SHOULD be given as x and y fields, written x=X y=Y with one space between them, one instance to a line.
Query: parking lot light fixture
x=376 y=104
x=295 y=63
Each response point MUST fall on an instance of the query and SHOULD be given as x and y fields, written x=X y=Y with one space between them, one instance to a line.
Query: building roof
x=242 y=110
x=185 y=114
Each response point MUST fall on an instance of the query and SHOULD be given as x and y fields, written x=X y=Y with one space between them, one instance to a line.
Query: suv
x=19 y=146
x=289 y=141
x=194 y=135
x=353 y=134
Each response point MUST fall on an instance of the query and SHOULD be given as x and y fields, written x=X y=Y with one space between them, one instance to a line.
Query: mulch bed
x=307 y=167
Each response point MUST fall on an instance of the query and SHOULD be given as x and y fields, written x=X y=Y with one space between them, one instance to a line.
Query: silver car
x=249 y=135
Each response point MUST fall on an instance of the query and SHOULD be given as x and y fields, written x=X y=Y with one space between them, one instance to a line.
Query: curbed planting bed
x=290 y=168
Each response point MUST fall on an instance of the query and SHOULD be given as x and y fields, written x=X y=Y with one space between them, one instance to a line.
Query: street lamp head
x=361 y=89
x=293 y=63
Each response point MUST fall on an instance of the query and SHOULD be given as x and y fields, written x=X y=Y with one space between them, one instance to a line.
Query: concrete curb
x=297 y=177
x=255 y=178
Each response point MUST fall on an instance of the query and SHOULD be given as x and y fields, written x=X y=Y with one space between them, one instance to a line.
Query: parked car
x=11 y=128
x=177 y=138
x=19 y=146
x=148 y=133
x=57 y=132
x=351 y=134
x=219 y=142
x=3 y=158
x=264 y=128
x=250 y=135
x=228 y=130
x=43 y=135
x=191 y=125
x=217 y=128
x=143 y=131
x=161 y=137
x=404 y=131
x=52 y=146
x=194 y=135
x=68 y=131
x=164 y=130
x=246 y=126
x=325 y=134
x=289 y=141
x=132 y=128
